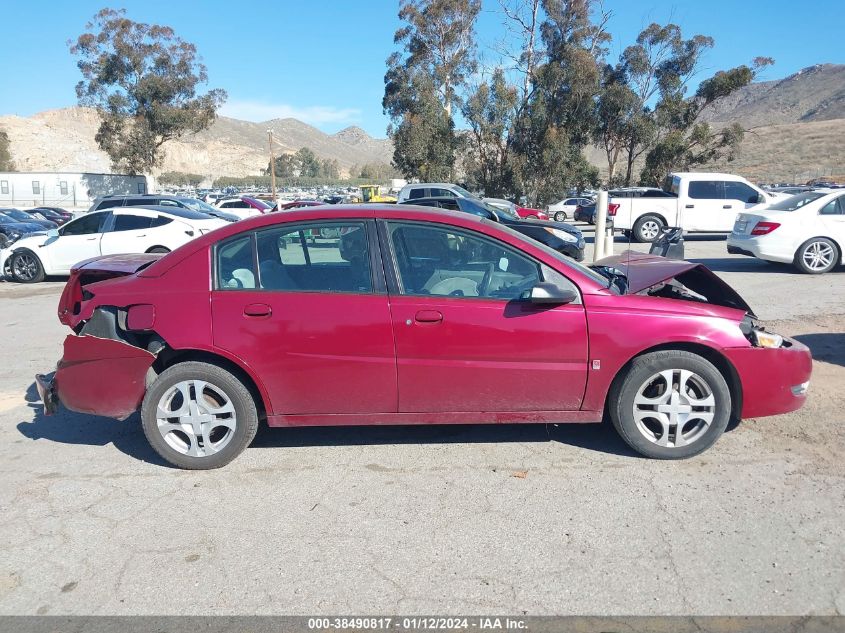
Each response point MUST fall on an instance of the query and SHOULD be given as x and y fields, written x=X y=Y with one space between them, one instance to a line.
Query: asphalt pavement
x=467 y=519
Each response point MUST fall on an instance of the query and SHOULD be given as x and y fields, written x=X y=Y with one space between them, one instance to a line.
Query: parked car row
x=117 y=230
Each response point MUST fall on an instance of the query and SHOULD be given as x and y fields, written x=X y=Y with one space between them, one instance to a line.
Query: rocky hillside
x=795 y=128
x=63 y=140
x=816 y=93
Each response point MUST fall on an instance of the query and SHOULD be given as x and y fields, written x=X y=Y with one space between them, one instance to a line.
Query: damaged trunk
x=104 y=368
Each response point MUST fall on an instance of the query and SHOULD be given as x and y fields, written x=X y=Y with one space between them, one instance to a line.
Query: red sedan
x=398 y=315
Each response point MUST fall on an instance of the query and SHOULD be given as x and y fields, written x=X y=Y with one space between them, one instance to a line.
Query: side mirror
x=547 y=293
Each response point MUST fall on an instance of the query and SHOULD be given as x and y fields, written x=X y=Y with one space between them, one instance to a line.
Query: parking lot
x=461 y=519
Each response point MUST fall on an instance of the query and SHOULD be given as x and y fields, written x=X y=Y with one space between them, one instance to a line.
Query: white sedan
x=152 y=229
x=565 y=209
x=807 y=230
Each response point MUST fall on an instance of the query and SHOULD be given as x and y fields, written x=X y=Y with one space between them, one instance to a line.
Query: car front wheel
x=26 y=268
x=670 y=405
x=198 y=416
x=817 y=255
x=560 y=216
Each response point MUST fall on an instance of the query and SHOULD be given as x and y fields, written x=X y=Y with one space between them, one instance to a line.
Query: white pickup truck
x=696 y=202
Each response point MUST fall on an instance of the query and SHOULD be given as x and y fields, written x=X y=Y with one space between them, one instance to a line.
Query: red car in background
x=527 y=212
x=400 y=315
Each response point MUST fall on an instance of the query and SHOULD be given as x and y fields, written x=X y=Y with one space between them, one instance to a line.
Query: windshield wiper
x=613 y=276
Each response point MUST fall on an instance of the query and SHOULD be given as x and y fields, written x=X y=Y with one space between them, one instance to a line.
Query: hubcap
x=196 y=418
x=24 y=267
x=674 y=408
x=560 y=217
x=818 y=255
x=650 y=229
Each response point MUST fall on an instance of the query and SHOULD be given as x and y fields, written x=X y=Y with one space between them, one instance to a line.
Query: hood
x=543 y=224
x=644 y=271
x=26 y=227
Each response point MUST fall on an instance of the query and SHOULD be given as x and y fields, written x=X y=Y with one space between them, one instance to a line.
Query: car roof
x=179 y=212
x=429 y=184
x=707 y=174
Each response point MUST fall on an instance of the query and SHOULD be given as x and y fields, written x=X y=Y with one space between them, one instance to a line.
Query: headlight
x=767 y=339
x=563 y=235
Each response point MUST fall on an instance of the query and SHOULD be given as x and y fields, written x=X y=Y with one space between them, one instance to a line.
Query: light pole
x=272 y=167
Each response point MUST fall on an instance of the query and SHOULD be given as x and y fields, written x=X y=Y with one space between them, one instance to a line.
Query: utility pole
x=272 y=167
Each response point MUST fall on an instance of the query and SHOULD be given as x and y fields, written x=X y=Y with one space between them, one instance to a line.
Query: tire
x=27 y=268
x=215 y=446
x=644 y=387
x=560 y=216
x=159 y=249
x=647 y=227
x=816 y=256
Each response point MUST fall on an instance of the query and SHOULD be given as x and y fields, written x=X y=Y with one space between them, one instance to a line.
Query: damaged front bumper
x=97 y=375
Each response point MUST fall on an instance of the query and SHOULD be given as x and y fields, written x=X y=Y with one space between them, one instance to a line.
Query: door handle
x=90 y=239
x=258 y=310
x=727 y=206
x=428 y=316
x=690 y=206
x=142 y=235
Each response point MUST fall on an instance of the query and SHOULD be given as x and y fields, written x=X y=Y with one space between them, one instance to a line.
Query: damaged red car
x=391 y=314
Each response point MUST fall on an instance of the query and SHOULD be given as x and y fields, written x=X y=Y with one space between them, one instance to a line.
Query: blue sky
x=326 y=57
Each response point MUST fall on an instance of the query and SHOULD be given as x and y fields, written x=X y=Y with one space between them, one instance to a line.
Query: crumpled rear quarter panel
x=102 y=376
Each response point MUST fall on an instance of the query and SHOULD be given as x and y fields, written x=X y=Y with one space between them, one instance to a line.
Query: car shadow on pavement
x=68 y=427
x=828 y=347
x=594 y=437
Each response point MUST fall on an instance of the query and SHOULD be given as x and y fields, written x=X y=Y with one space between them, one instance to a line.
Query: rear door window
x=437 y=192
x=131 y=222
x=706 y=190
x=417 y=192
x=319 y=257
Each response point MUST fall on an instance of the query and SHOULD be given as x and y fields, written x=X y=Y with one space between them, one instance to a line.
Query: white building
x=69 y=190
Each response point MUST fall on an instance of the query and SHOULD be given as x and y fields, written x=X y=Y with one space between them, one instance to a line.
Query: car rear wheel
x=817 y=255
x=560 y=216
x=670 y=405
x=26 y=268
x=198 y=416
x=647 y=228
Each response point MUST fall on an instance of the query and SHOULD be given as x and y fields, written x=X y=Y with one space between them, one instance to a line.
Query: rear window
x=796 y=202
x=706 y=190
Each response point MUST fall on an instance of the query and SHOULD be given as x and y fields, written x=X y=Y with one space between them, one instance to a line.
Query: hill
x=63 y=140
x=816 y=93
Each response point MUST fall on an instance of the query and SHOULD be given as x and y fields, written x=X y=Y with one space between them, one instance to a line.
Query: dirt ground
x=466 y=519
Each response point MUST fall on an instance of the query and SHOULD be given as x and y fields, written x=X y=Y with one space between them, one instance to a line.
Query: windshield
x=18 y=215
x=198 y=205
x=502 y=210
x=260 y=203
x=5 y=219
x=463 y=192
x=794 y=203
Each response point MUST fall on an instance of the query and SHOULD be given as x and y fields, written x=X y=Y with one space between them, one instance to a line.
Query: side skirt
x=457 y=417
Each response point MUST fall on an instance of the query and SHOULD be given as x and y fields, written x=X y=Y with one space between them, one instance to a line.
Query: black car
x=562 y=237
x=23 y=216
x=162 y=200
x=10 y=231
